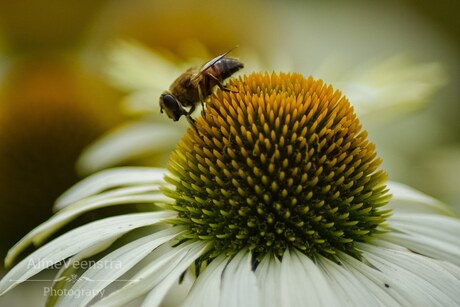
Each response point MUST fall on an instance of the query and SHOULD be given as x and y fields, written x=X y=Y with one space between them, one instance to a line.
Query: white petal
x=147 y=103
x=155 y=296
x=424 y=281
x=431 y=235
x=73 y=242
x=64 y=276
x=391 y=86
x=443 y=228
x=144 y=102
x=116 y=263
x=374 y=281
x=425 y=246
x=144 y=73
x=179 y=290
x=170 y=263
x=128 y=142
x=268 y=275
x=407 y=200
x=239 y=284
x=348 y=287
x=133 y=67
x=302 y=283
x=42 y=232
x=321 y=287
x=295 y=287
x=451 y=268
x=150 y=193
x=92 y=203
x=109 y=179
x=161 y=259
x=206 y=289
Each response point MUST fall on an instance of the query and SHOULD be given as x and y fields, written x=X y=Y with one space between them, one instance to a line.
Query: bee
x=194 y=86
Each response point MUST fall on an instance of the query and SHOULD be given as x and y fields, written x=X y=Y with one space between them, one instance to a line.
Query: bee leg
x=220 y=85
x=192 y=109
x=191 y=122
x=188 y=116
x=226 y=89
x=200 y=95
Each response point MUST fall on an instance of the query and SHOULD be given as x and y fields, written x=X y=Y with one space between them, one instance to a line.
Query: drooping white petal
x=375 y=282
x=321 y=287
x=115 y=264
x=129 y=141
x=428 y=234
x=92 y=203
x=150 y=193
x=423 y=224
x=155 y=296
x=239 y=284
x=268 y=275
x=179 y=290
x=443 y=228
x=145 y=280
x=206 y=289
x=408 y=200
x=421 y=278
x=349 y=289
x=451 y=268
x=295 y=287
x=42 y=232
x=302 y=283
x=109 y=179
x=64 y=277
x=170 y=263
x=74 y=242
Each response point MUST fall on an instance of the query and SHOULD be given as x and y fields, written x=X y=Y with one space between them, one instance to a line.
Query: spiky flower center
x=280 y=161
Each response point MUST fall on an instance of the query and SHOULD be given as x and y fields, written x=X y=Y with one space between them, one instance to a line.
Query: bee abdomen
x=228 y=66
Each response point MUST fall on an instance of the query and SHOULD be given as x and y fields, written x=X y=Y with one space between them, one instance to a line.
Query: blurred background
x=56 y=99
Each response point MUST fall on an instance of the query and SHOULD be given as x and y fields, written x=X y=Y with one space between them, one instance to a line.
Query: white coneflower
x=276 y=199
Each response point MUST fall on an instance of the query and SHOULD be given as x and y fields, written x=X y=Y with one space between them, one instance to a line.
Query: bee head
x=172 y=106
